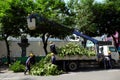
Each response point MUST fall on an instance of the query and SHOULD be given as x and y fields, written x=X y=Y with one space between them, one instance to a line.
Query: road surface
x=111 y=74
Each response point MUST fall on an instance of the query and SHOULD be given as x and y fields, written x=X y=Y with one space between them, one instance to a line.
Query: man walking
x=28 y=64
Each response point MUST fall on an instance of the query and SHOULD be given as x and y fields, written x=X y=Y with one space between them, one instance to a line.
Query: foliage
x=17 y=67
x=108 y=18
x=45 y=67
x=3 y=6
x=13 y=15
x=54 y=10
x=83 y=15
x=74 y=49
x=50 y=20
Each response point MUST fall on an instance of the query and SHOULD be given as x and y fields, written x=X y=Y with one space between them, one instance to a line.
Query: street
x=113 y=74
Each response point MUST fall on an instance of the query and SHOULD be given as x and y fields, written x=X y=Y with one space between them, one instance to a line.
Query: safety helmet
x=109 y=52
x=50 y=42
x=31 y=54
x=52 y=54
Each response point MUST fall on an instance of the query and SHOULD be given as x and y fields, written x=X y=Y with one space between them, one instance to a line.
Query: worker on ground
x=53 y=59
x=33 y=60
x=107 y=61
x=28 y=62
x=110 y=61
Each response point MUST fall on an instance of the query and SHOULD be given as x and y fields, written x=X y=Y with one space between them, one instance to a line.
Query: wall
x=35 y=46
x=3 y=51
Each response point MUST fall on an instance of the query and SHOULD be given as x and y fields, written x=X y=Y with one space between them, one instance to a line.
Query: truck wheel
x=113 y=63
x=72 y=66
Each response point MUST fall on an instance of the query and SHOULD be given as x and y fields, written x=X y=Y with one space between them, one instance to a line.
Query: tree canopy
x=59 y=18
x=108 y=18
x=83 y=15
x=13 y=18
x=51 y=20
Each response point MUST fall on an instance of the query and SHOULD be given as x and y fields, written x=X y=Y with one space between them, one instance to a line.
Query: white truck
x=104 y=50
x=101 y=48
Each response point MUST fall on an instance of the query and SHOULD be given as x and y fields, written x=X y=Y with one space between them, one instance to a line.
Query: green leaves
x=13 y=16
x=83 y=15
x=74 y=49
x=17 y=67
x=45 y=67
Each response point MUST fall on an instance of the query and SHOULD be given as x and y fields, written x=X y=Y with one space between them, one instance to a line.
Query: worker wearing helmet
x=31 y=54
x=32 y=60
x=53 y=59
x=107 y=60
x=110 y=61
x=109 y=55
x=28 y=62
x=53 y=47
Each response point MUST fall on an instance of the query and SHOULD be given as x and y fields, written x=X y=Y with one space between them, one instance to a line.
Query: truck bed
x=75 y=57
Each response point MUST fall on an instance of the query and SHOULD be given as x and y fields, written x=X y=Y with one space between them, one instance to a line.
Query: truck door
x=114 y=53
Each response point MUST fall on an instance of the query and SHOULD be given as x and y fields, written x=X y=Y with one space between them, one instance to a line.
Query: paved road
x=113 y=74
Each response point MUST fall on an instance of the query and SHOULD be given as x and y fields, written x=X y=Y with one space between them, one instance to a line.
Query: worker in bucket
x=53 y=47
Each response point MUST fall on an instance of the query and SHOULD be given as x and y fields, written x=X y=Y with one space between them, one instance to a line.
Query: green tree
x=83 y=18
x=52 y=13
x=83 y=15
x=13 y=18
x=108 y=18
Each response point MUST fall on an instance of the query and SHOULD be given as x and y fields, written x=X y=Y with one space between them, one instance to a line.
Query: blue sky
x=95 y=0
x=99 y=0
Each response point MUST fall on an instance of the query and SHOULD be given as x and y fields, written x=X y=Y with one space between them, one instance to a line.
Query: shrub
x=17 y=67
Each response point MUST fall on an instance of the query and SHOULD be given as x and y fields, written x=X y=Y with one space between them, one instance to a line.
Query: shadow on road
x=89 y=69
x=3 y=68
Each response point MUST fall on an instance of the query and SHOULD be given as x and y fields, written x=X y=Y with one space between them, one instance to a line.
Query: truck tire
x=73 y=66
x=113 y=63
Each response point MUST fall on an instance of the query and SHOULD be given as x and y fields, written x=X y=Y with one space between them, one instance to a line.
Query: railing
x=4 y=60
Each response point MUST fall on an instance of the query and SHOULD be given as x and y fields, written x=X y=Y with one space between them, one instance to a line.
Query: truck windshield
x=118 y=49
x=112 y=49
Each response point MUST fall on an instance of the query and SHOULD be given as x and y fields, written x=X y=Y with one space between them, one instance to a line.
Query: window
x=112 y=49
x=118 y=49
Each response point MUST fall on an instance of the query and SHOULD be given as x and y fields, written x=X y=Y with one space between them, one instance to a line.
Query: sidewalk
x=3 y=69
x=110 y=74
x=6 y=74
x=10 y=75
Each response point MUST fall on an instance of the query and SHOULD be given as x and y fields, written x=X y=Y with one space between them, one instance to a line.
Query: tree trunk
x=45 y=47
x=84 y=42
x=118 y=40
x=8 y=51
x=115 y=42
x=45 y=40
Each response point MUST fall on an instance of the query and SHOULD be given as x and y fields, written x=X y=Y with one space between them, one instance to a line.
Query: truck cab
x=104 y=50
x=114 y=53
